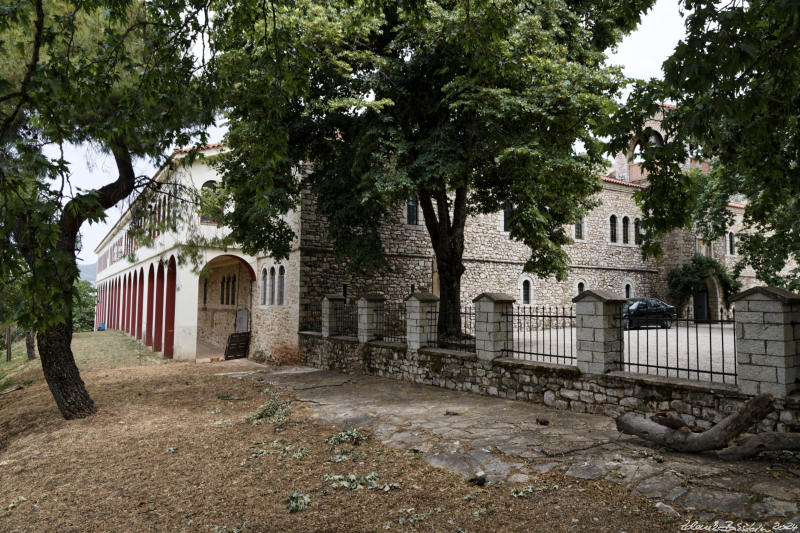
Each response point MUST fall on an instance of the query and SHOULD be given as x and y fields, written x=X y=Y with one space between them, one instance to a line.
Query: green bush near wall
x=684 y=281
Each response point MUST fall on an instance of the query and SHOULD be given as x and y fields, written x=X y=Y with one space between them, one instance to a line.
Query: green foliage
x=467 y=105
x=297 y=501
x=352 y=436
x=354 y=482
x=274 y=411
x=684 y=281
x=84 y=299
x=735 y=82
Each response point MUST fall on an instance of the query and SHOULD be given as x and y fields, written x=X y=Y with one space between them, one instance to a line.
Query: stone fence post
x=767 y=336
x=420 y=327
x=598 y=334
x=368 y=307
x=492 y=324
x=328 y=304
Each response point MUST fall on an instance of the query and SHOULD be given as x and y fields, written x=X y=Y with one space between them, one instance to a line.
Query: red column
x=140 y=298
x=169 y=315
x=157 y=327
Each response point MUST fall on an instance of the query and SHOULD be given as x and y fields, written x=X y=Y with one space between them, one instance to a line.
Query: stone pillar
x=597 y=314
x=328 y=303
x=368 y=307
x=420 y=326
x=492 y=324
x=767 y=335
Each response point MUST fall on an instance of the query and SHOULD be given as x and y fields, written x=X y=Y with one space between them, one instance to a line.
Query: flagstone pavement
x=508 y=440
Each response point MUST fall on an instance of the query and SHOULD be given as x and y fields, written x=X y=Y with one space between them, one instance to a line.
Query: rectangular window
x=412 y=211
x=579 y=230
x=507 y=213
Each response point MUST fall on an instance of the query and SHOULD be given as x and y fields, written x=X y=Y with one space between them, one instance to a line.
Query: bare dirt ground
x=170 y=449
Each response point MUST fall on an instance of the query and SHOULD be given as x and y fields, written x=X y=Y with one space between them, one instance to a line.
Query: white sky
x=640 y=54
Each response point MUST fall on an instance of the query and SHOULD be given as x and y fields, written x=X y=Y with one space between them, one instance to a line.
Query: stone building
x=186 y=315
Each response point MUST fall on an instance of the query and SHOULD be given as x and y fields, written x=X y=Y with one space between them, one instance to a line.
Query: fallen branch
x=683 y=440
x=763 y=442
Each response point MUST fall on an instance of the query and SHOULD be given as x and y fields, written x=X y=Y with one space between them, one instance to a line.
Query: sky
x=640 y=54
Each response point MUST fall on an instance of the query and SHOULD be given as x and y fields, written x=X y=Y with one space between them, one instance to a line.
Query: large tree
x=733 y=85
x=471 y=106
x=119 y=75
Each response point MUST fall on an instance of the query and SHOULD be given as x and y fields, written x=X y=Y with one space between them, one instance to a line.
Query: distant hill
x=88 y=272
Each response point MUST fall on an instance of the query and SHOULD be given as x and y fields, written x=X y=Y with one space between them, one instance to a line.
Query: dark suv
x=640 y=312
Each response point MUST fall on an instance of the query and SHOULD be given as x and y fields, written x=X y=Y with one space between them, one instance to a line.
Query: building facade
x=188 y=311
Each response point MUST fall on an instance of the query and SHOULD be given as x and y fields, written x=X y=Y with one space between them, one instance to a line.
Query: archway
x=707 y=302
x=223 y=304
x=169 y=310
x=159 y=310
x=148 y=332
x=139 y=310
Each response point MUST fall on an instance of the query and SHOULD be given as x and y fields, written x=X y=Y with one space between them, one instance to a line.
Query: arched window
x=272 y=286
x=264 y=287
x=227 y=290
x=613 y=227
x=625 y=224
x=412 y=211
x=526 y=292
x=628 y=290
x=233 y=290
x=205 y=291
x=281 y=284
x=222 y=291
x=581 y=287
x=731 y=244
x=637 y=231
x=210 y=185
x=579 y=230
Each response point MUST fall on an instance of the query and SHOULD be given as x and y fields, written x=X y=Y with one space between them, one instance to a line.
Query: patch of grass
x=274 y=411
x=352 y=436
x=297 y=501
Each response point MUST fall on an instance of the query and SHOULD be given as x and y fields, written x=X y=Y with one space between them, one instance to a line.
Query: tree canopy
x=469 y=106
x=734 y=88
x=120 y=75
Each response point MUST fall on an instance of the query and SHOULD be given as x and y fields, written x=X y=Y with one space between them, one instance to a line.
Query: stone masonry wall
x=557 y=386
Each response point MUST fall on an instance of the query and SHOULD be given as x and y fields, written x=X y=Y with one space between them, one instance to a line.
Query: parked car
x=639 y=312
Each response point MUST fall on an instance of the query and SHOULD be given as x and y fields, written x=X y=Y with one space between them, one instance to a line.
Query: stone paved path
x=508 y=441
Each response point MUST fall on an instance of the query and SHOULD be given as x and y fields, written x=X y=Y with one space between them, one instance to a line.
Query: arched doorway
x=224 y=296
x=707 y=302
x=148 y=333
x=140 y=305
x=159 y=310
x=169 y=310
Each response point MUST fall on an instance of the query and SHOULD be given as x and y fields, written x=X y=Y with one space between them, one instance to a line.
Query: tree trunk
x=30 y=344
x=449 y=297
x=684 y=440
x=752 y=446
x=8 y=342
x=62 y=373
x=447 y=239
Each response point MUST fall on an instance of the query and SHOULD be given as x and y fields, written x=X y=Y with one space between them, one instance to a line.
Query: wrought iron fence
x=344 y=322
x=390 y=322
x=311 y=317
x=543 y=334
x=687 y=348
x=457 y=334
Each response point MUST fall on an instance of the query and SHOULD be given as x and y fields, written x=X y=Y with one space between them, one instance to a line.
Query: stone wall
x=274 y=326
x=493 y=261
x=561 y=387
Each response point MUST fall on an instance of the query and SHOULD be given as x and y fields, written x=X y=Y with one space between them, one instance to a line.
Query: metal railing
x=698 y=350
x=390 y=322
x=458 y=334
x=311 y=317
x=542 y=334
x=344 y=321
